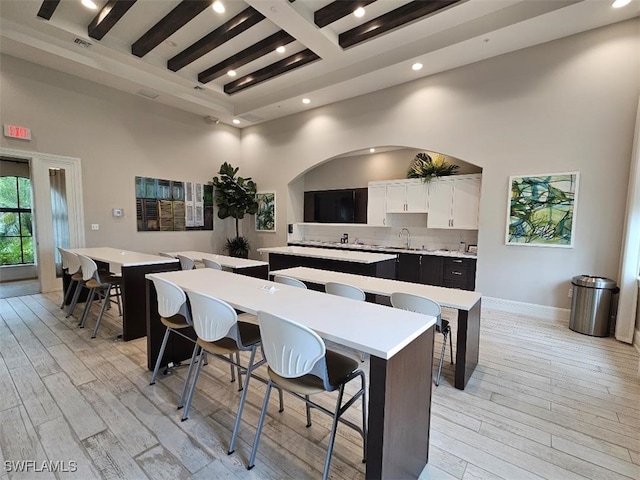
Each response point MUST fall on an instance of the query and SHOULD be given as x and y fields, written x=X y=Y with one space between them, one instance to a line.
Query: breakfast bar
x=399 y=342
x=243 y=266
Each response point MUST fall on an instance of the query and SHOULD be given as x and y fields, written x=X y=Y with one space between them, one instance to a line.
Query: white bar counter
x=329 y=254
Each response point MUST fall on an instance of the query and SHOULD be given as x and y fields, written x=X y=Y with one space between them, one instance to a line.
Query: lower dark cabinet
x=408 y=268
x=459 y=273
x=435 y=270
x=431 y=270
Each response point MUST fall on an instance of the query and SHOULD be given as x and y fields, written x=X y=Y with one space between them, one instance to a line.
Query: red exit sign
x=14 y=131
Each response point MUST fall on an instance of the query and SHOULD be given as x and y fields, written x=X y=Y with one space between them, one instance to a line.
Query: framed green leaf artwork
x=542 y=210
x=266 y=216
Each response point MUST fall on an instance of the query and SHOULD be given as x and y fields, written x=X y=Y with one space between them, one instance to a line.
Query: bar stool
x=211 y=264
x=100 y=284
x=315 y=370
x=186 y=263
x=71 y=265
x=347 y=291
x=294 y=282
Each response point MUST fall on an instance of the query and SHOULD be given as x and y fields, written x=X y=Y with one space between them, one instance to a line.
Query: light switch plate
x=95 y=226
x=117 y=212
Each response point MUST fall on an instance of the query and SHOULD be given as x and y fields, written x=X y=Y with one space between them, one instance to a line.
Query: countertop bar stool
x=348 y=291
x=175 y=315
x=211 y=264
x=426 y=306
x=99 y=284
x=71 y=265
x=294 y=282
x=315 y=370
x=186 y=263
x=220 y=333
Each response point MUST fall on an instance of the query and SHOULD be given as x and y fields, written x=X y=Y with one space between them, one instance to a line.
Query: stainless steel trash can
x=591 y=304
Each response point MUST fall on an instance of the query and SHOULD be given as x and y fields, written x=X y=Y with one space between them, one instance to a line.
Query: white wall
x=117 y=136
x=562 y=106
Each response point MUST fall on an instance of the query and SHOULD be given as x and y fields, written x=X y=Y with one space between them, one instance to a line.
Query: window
x=16 y=228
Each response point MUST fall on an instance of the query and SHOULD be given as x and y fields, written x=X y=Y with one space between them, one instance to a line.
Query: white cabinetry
x=407 y=196
x=376 y=204
x=454 y=202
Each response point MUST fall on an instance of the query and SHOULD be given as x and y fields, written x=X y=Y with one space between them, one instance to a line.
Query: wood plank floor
x=544 y=402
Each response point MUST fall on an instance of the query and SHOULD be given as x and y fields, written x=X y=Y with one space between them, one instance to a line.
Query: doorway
x=57 y=210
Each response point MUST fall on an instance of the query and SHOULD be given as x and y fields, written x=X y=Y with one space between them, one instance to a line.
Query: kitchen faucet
x=408 y=236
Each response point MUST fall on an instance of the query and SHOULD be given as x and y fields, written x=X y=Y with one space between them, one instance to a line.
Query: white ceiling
x=468 y=32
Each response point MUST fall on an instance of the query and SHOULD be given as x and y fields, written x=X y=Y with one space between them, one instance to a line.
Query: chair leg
x=263 y=413
x=188 y=379
x=159 y=360
x=332 y=438
x=243 y=398
x=118 y=297
x=308 y=411
x=106 y=301
x=87 y=307
x=185 y=414
x=444 y=346
x=281 y=400
x=239 y=371
x=65 y=297
x=233 y=372
x=451 y=345
x=74 y=300
x=364 y=418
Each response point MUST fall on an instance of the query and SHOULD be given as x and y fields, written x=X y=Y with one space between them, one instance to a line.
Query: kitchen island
x=381 y=265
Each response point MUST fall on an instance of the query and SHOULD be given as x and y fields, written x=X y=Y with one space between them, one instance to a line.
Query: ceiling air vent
x=82 y=43
x=148 y=94
x=249 y=117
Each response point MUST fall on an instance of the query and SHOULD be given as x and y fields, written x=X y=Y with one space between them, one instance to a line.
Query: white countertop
x=329 y=254
x=224 y=260
x=117 y=258
x=375 y=329
x=383 y=248
x=446 y=297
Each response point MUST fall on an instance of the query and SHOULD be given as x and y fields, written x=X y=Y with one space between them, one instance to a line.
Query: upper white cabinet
x=376 y=204
x=407 y=196
x=454 y=202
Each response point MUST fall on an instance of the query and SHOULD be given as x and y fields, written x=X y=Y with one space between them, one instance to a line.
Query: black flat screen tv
x=348 y=205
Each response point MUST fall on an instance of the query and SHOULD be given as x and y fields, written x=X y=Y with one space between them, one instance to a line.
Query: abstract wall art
x=542 y=210
x=266 y=216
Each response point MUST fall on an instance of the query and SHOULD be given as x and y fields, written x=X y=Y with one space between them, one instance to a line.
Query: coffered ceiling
x=180 y=52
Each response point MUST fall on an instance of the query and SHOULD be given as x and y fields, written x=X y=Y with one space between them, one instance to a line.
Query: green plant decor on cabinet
x=235 y=197
x=427 y=167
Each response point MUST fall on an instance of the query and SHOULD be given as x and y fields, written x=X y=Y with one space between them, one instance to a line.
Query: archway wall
x=568 y=105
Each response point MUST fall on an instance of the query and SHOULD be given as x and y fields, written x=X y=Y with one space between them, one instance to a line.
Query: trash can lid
x=593 y=281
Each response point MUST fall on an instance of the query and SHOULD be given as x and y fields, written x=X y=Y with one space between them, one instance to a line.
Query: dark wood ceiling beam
x=110 y=14
x=271 y=71
x=238 y=24
x=337 y=10
x=47 y=8
x=247 y=55
x=177 y=18
x=393 y=19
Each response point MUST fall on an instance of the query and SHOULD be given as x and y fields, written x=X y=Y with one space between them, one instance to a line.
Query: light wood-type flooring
x=544 y=402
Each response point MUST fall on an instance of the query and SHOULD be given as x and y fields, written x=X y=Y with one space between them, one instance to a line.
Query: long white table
x=133 y=266
x=244 y=266
x=467 y=303
x=400 y=344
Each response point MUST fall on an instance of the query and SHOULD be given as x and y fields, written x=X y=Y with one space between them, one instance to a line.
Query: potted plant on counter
x=427 y=167
x=235 y=197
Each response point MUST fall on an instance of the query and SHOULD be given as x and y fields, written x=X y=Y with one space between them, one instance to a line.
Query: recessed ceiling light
x=89 y=4
x=306 y=101
x=372 y=150
x=359 y=12
x=280 y=49
x=416 y=66
x=236 y=121
x=620 y=3
x=232 y=73
x=218 y=7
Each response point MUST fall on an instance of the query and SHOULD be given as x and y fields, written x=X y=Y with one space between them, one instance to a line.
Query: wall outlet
x=570 y=294
x=95 y=226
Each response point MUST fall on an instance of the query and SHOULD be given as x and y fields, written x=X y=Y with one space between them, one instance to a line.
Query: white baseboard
x=528 y=309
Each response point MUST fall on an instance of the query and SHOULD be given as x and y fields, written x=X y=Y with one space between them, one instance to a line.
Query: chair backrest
x=211 y=264
x=418 y=304
x=213 y=319
x=294 y=282
x=70 y=261
x=171 y=299
x=344 y=290
x=89 y=268
x=292 y=350
x=186 y=263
